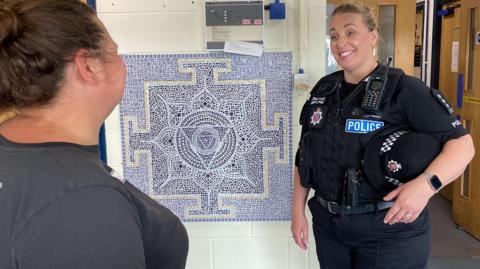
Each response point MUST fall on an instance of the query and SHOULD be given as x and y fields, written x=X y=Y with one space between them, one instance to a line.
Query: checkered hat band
x=388 y=143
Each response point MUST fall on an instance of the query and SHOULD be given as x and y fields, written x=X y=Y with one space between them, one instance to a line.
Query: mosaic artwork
x=209 y=135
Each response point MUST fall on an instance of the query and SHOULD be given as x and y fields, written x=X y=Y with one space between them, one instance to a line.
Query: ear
x=87 y=68
x=374 y=39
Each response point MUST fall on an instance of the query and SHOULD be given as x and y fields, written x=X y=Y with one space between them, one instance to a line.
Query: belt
x=336 y=209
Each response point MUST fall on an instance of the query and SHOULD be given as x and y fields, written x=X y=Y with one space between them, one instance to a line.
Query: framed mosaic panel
x=209 y=135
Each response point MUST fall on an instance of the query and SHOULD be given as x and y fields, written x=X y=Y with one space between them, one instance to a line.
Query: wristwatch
x=433 y=181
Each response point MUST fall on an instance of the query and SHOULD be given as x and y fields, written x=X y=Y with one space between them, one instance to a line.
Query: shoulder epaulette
x=327 y=84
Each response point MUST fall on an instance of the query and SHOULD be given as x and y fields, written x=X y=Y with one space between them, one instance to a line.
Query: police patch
x=316 y=117
x=362 y=126
x=394 y=166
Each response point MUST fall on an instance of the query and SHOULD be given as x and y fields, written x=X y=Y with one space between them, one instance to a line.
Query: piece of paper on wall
x=455 y=50
x=245 y=48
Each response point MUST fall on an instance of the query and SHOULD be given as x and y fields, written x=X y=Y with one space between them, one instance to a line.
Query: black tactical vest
x=326 y=149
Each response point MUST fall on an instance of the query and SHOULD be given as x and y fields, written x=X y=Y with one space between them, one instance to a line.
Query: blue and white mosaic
x=209 y=135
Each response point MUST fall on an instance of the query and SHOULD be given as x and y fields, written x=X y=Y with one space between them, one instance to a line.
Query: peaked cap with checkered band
x=398 y=157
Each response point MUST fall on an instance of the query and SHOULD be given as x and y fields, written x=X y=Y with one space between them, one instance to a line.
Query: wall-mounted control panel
x=233 y=21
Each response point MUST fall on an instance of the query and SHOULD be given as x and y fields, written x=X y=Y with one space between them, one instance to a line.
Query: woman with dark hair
x=364 y=215
x=61 y=74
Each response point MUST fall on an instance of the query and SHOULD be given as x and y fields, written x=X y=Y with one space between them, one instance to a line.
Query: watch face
x=436 y=183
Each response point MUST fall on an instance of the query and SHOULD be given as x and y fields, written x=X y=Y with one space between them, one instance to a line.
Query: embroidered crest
x=394 y=166
x=316 y=117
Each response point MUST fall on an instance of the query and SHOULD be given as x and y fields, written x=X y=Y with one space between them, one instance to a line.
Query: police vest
x=335 y=132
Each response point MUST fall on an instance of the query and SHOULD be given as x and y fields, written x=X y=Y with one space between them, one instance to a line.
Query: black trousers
x=365 y=242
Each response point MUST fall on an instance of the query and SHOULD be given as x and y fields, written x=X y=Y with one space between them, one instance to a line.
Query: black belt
x=336 y=208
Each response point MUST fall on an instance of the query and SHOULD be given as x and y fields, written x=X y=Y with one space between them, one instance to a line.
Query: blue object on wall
x=460 y=90
x=277 y=10
x=92 y=4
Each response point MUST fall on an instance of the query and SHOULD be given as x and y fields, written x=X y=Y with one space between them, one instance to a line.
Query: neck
x=358 y=74
x=42 y=125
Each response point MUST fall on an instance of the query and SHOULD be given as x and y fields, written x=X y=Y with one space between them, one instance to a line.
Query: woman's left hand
x=411 y=199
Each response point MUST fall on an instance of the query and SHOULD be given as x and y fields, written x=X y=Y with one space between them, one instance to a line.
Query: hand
x=299 y=228
x=411 y=199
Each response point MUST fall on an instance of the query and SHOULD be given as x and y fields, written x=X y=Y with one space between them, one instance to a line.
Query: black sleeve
x=304 y=124
x=92 y=227
x=424 y=113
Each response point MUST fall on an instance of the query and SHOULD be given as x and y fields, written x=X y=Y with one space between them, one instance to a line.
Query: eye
x=350 y=33
x=333 y=37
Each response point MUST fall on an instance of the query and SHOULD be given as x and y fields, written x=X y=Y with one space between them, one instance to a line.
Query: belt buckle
x=330 y=206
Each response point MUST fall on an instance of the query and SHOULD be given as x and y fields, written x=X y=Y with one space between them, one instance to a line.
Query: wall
x=177 y=26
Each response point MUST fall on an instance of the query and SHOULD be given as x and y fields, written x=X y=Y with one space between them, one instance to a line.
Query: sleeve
x=91 y=227
x=424 y=113
x=304 y=124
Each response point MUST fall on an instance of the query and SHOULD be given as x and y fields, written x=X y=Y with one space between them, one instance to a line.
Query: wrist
x=433 y=181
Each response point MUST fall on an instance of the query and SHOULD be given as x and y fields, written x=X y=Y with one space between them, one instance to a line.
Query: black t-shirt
x=60 y=208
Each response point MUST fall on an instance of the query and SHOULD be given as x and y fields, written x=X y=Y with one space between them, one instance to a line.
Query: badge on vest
x=362 y=126
x=316 y=117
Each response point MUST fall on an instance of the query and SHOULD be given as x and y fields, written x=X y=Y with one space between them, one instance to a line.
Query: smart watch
x=433 y=181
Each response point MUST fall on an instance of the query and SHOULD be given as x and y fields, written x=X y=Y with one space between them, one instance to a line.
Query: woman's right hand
x=299 y=228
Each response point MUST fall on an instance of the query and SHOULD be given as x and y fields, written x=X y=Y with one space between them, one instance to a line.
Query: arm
x=413 y=196
x=91 y=227
x=299 y=226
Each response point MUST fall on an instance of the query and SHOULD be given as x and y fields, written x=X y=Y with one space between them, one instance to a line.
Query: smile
x=345 y=53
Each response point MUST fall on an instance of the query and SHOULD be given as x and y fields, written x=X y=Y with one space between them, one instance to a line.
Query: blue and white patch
x=362 y=126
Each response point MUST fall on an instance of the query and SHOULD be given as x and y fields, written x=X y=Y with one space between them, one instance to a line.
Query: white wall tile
x=113 y=120
x=297 y=257
x=157 y=32
x=202 y=230
x=199 y=254
x=114 y=147
x=261 y=229
x=250 y=253
x=123 y=6
x=312 y=254
x=118 y=169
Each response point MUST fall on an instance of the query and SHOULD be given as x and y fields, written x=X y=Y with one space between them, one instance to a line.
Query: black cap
x=398 y=157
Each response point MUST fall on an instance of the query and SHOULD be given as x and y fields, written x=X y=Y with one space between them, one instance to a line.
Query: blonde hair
x=360 y=9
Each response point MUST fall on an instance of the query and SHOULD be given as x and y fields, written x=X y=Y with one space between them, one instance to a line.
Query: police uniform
x=347 y=210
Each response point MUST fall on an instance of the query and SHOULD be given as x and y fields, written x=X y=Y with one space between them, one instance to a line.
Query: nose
x=341 y=41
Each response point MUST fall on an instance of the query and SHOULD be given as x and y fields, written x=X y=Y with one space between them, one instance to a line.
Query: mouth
x=346 y=53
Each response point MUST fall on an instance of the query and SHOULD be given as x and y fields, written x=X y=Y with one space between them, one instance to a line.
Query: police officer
x=355 y=223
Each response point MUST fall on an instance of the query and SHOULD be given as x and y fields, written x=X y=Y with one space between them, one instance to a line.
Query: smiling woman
x=361 y=220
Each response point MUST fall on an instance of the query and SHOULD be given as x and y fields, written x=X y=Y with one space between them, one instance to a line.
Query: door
x=466 y=190
x=397 y=30
x=448 y=69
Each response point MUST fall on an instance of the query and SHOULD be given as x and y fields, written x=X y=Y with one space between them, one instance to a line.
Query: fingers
x=391 y=195
x=396 y=214
x=301 y=239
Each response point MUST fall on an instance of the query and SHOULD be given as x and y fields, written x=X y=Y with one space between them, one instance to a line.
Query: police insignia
x=362 y=126
x=394 y=166
x=316 y=117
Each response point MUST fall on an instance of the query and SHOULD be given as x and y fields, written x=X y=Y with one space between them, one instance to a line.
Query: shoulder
x=327 y=84
x=90 y=227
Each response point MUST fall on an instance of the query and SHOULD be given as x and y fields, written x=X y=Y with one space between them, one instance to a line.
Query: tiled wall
x=176 y=26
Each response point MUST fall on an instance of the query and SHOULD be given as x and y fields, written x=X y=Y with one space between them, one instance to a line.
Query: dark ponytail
x=38 y=38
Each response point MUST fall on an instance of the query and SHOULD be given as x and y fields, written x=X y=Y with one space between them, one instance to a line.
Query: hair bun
x=9 y=25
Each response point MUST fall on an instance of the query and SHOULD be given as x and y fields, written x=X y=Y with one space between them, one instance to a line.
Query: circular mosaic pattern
x=206 y=139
